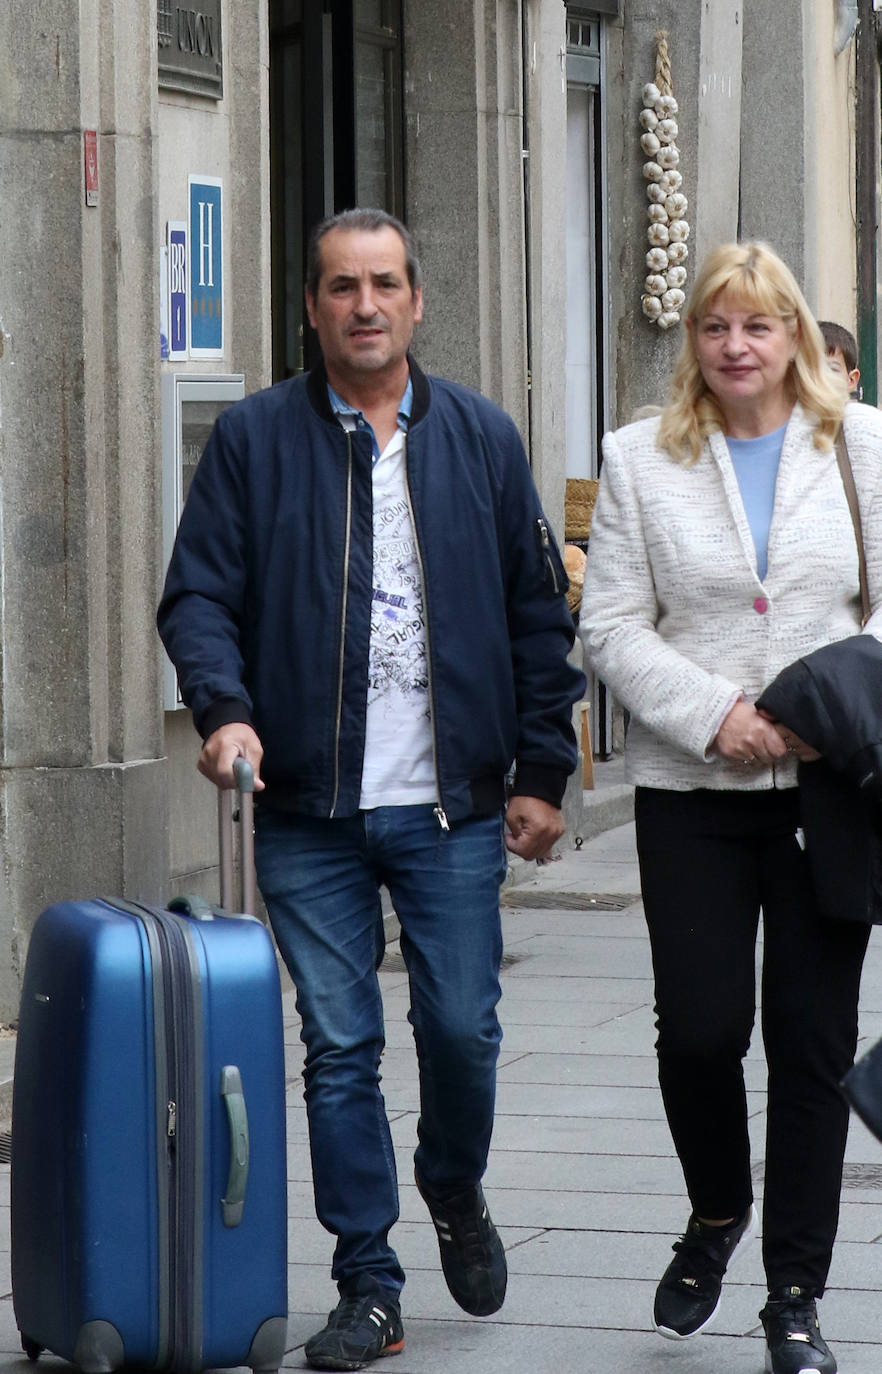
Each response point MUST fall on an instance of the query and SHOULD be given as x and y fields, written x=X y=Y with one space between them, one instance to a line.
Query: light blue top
x=756 y=466
x=343 y=408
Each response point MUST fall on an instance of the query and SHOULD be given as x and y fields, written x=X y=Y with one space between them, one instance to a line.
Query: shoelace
x=350 y=1309
x=701 y=1260
x=800 y=1320
x=464 y=1230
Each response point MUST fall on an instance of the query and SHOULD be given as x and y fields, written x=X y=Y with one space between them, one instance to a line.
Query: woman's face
x=744 y=356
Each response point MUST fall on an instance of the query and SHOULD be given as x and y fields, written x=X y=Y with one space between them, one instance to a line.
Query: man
x=365 y=601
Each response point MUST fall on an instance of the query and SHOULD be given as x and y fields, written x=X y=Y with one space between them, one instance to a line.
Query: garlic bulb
x=667 y=319
x=656 y=284
x=671 y=181
x=657 y=258
x=673 y=299
x=658 y=235
x=665 y=106
x=656 y=193
x=676 y=253
x=657 y=214
x=667 y=130
x=676 y=205
x=675 y=276
x=652 y=171
x=648 y=120
x=650 y=144
x=652 y=307
x=668 y=157
x=678 y=231
x=651 y=94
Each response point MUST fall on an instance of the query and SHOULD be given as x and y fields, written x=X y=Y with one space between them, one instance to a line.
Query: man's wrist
x=226 y=711
x=541 y=780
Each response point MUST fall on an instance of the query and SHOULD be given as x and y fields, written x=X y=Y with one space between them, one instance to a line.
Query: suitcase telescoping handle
x=244 y=775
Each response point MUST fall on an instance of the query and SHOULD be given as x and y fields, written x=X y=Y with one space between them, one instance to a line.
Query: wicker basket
x=581 y=493
x=574 y=562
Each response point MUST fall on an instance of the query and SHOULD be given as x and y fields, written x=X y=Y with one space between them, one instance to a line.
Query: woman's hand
x=792 y=743
x=746 y=736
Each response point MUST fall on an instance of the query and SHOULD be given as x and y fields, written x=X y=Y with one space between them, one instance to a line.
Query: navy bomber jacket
x=266 y=608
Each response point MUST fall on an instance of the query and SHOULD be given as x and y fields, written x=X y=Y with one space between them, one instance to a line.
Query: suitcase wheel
x=31 y=1349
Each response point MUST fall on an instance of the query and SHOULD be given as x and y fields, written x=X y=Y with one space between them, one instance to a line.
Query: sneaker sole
x=330 y=1362
x=749 y=1233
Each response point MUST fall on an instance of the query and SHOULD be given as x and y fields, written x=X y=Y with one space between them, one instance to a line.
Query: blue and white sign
x=206 y=267
x=177 y=290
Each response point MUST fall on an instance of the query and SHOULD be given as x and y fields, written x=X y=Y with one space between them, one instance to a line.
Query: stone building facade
x=505 y=131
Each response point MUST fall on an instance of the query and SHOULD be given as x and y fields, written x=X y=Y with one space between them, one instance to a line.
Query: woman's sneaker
x=687 y=1299
x=794 y=1344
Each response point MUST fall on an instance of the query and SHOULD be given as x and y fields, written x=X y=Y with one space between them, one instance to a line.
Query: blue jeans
x=320 y=880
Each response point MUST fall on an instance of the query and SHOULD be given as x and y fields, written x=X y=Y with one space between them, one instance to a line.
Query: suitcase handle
x=233 y=1204
x=244 y=775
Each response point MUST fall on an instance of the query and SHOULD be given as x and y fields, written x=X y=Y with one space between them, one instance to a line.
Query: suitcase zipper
x=183 y=1132
x=179 y=1072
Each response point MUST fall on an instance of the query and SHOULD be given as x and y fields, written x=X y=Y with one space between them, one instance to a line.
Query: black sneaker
x=794 y=1344
x=687 y=1299
x=472 y=1255
x=360 y=1329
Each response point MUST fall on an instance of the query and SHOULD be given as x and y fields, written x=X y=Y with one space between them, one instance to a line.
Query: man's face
x=364 y=310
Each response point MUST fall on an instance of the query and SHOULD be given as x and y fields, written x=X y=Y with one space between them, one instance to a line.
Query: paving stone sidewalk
x=583 y=1182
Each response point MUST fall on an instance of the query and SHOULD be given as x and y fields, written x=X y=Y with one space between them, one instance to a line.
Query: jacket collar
x=317 y=391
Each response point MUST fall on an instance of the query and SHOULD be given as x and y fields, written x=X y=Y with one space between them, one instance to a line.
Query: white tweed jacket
x=674 y=617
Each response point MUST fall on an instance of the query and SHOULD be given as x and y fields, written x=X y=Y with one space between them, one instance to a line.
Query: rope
x=663 y=63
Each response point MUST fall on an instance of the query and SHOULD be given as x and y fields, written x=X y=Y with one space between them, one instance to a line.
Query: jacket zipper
x=439 y=813
x=545 y=542
x=343 y=625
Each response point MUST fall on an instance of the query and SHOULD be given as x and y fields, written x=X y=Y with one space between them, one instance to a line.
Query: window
x=378 y=161
x=587 y=274
x=336 y=138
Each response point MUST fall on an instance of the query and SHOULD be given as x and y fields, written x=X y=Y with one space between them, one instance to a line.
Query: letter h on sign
x=206 y=267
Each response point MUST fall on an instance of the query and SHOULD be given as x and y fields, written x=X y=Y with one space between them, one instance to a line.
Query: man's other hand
x=220 y=751
x=533 y=827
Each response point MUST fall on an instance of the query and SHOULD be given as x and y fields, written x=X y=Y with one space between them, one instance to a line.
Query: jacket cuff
x=540 y=780
x=223 y=712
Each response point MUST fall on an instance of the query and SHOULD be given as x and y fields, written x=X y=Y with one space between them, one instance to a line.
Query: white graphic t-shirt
x=399 y=768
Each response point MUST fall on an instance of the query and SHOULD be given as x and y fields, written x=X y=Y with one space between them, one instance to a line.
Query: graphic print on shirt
x=397 y=669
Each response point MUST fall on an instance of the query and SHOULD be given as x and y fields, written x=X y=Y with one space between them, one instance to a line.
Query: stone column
x=775 y=187
x=716 y=199
x=464 y=193
x=81 y=777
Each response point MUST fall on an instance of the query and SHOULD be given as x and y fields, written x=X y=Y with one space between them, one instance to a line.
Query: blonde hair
x=752 y=275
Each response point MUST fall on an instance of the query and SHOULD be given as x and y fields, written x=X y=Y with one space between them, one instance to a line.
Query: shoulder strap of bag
x=851 y=497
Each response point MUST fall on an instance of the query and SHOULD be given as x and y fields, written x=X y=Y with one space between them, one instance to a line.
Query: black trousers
x=709 y=861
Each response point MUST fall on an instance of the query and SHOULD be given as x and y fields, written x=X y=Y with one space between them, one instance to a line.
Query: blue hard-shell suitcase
x=149 y=1212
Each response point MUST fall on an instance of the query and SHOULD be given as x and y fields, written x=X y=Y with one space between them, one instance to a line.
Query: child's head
x=841 y=352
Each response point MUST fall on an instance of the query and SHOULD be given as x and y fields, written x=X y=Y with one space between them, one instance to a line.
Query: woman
x=721 y=550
